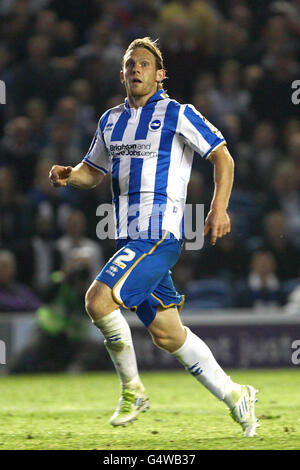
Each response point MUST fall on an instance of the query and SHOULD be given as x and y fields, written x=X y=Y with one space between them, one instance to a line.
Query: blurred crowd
x=235 y=61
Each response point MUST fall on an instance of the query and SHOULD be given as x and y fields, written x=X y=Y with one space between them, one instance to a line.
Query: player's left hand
x=218 y=222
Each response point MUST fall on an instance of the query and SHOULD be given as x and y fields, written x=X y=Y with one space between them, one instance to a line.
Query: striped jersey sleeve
x=198 y=132
x=97 y=155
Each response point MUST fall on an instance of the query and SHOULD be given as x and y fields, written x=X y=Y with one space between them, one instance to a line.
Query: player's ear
x=122 y=76
x=160 y=75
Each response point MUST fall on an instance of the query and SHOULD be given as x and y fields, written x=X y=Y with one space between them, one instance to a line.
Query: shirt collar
x=156 y=97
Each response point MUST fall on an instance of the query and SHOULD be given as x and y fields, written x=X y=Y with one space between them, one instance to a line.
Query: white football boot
x=131 y=404
x=243 y=411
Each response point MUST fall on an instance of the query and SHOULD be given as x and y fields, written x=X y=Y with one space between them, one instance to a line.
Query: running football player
x=148 y=143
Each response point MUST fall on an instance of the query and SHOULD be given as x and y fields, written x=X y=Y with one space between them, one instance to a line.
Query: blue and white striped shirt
x=149 y=151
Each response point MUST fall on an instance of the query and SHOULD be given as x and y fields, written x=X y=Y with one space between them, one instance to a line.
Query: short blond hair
x=151 y=46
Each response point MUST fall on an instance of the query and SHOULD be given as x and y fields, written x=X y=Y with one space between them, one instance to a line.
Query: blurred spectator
x=59 y=341
x=262 y=287
x=46 y=23
x=36 y=111
x=143 y=20
x=275 y=88
x=277 y=38
x=233 y=129
x=38 y=257
x=244 y=208
x=17 y=28
x=14 y=210
x=292 y=127
x=241 y=14
x=188 y=29
x=290 y=10
x=86 y=115
x=199 y=20
x=80 y=13
x=17 y=151
x=260 y=157
x=100 y=63
x=253 y=74
x=92 y=70
x=63 y=47
x=36 y=77
x=230 y=98
x=276 y=240
x=14 y=296
x=204 y=101
x=265 y=151
x=105 y=46
x=233 y=42
x=61 y=149
x=45 y=199
x=65 y=39
x=204 y=82
x=285 y=196
x=228 y=260
x=74 y=237
x=67 y=115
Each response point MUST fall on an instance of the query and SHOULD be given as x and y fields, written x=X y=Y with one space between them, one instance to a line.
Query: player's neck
x=139 y=101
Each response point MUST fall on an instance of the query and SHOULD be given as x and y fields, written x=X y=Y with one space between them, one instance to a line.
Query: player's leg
x=127 y=280
x=169 y=334
x=107 y=317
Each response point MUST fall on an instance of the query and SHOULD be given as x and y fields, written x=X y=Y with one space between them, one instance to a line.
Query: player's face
x=139 y=73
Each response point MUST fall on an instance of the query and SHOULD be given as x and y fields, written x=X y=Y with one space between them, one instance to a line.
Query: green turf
x=72 y=412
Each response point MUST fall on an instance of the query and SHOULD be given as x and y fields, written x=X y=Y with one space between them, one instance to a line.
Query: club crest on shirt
x=155 y=125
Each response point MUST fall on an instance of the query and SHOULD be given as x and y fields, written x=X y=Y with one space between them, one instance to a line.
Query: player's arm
x=218 y=220
x=82 y=176
x=204 y=138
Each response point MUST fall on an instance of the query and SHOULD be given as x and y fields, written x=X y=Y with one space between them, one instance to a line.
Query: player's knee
x=91 y=303
x=98 y=301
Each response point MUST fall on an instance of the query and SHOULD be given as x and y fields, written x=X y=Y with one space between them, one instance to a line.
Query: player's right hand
x=59 y=175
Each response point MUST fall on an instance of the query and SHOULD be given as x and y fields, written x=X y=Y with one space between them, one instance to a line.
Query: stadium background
x=234 y=61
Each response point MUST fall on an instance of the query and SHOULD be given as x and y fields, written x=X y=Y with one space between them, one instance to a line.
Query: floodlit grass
x=73 y=411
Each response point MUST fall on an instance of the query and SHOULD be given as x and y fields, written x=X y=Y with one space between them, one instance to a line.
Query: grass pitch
x=73 y=411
